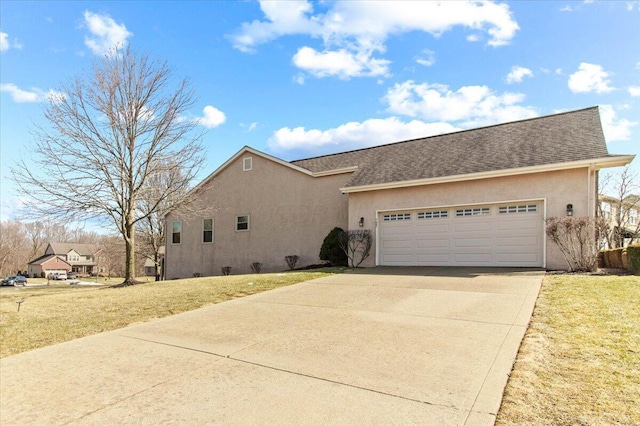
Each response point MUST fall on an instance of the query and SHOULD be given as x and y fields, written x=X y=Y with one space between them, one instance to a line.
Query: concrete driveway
x=381 y=346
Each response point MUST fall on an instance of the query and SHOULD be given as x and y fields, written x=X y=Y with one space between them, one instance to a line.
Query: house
x=151 y=269
x=470 y=198
x=83 y=258
x=622 y=217
x=46 y=265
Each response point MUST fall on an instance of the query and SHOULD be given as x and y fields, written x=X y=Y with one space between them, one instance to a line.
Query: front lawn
x=58 y=313
x=579 y=363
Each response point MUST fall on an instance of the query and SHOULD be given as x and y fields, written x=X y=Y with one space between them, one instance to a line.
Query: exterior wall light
x=361 y=223
x=569 y=209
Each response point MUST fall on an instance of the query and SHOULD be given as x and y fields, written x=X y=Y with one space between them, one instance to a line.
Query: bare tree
x=357 y=245
x=575 y=237
x=14 y=247
x=111 y=133
x=36 y=233
x=151 y=230
x=622 y=201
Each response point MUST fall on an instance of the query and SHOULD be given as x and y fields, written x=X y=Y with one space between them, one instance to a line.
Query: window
x=479 y=211
x=176 y=232
x=433 y=215
x=396 y=216
x=247 y=164
x=207 y=231
x=242 y=223
x=606 y=210
x=633 y=217
x=525 y=208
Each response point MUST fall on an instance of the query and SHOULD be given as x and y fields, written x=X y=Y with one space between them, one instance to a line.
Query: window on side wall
x=176 y=232
x=247 y=164
x=207 y=231
x=242 y=223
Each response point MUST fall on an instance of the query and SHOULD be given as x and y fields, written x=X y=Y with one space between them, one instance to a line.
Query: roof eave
x=595 y=164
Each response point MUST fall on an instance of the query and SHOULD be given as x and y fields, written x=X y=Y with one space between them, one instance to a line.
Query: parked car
x=14 y=280
x=58 y=276
x=71 y=276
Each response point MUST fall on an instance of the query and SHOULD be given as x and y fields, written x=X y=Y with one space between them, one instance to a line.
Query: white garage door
x=492 y=235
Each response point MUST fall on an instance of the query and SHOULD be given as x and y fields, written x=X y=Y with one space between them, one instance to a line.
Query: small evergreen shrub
x=331 y=250
x=226 y=270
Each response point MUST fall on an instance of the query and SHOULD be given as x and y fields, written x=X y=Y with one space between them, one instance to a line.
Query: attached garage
x=502 y=234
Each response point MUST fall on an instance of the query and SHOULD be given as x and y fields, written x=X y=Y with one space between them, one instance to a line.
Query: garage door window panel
x=439 y=214
x=396 y=217
x=528 y=208
x=480 y=211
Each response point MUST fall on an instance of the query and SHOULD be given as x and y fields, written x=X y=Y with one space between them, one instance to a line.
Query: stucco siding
x=290 y=214
x=556 y=189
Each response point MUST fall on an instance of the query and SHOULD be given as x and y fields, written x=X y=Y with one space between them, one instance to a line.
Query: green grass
x=60 y=312
x=579 y=363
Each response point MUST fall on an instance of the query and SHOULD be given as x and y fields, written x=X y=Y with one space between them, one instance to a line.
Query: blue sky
x=299 y=79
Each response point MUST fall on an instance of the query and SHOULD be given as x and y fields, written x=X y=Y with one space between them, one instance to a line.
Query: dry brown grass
x=579 y=363
x=60 y=312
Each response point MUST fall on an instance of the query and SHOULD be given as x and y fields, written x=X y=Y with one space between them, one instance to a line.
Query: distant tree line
x=22 y=242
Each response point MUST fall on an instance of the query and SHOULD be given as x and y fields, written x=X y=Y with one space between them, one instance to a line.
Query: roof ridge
x=450 y=133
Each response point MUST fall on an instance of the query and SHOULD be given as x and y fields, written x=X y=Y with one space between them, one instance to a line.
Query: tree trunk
x=130 y=254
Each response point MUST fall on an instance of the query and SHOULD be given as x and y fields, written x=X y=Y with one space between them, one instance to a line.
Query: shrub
x=576 y=239
x=615 y=258
x=624 y=258
x=226 y=270
x=292 y=260
x=256 y=267
x=356 y=245
x=331 y=251
x=633 y=257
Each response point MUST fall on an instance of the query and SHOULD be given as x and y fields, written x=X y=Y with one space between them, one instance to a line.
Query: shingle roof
x=81 y=249
x=45 y=258
x=559 y=138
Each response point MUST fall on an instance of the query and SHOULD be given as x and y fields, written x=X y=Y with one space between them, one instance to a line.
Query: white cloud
x=469 y=106
x=5 y=44
x=615 y=129
x=427 y=58
x=299 y=78
x=33 y=95
x=590 y=78
x=252 y=126
x=518 y=73
x=352 y=31
x=340 y=63
x=212 y=117
x=105 y=33
x=354 y=135
x=634 y=91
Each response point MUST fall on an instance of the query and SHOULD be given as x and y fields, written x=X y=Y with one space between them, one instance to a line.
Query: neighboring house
x=83 y=258
x=622 y=218
x=471 y=198
x=150 y=264
x=46 y=265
